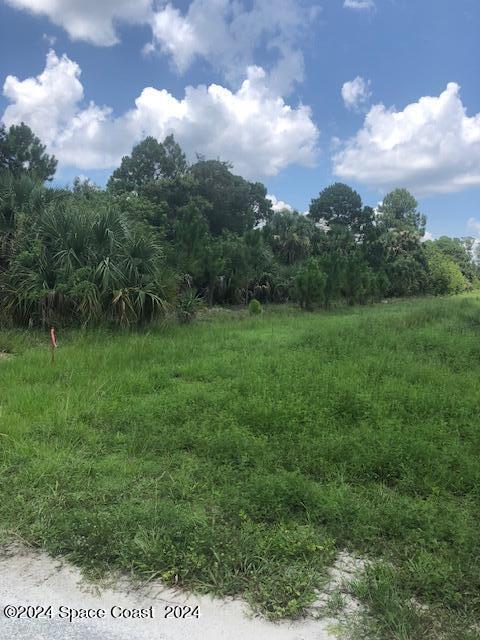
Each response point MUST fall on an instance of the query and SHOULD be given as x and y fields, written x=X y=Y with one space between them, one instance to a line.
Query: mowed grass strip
x=239 y=455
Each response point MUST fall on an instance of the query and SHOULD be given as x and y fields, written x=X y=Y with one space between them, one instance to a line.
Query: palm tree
x=81 y=259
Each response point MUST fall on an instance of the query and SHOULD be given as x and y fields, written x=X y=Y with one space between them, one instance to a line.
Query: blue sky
x=297 y=94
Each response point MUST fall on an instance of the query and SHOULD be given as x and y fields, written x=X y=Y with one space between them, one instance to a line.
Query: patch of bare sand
x=31 y=577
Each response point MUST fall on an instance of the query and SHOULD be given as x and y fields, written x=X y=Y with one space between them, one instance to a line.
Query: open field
x=239 y=455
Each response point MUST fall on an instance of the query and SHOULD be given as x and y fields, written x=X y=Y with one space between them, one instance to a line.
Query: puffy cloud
x=180 y=37
x=47 y=102
x=90 y=20
x=279 y=205
x=253 y=127
x=227 y=35
x=356 y=93
x=359 y=5
x=432 y=146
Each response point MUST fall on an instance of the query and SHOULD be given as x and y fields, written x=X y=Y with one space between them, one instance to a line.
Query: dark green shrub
x=444 y=276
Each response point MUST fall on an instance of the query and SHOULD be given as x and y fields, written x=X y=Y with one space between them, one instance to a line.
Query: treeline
x=165 y=235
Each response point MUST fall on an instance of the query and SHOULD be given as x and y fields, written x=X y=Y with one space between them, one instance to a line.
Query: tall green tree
x=236 y=204
x=149 y=161
x=21 y=152
x=340 y=205
x=393 y=245
x=190 y=233
x=399 y=210
x=360 y=284
x=310 y=284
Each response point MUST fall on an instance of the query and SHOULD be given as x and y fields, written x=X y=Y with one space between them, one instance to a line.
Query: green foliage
x=336 y=204
x=118 y=255
x=139 y=209
x=360 y=283
x=340 y=205
x=236 y=204
x=444 y=275
x=459 y=251
x=399 y=211
x=407 y=276
x=19 y=198
x=254 y=307
x=404 y=261
x=22 y=153
x=291 y=236
x=187 y=306
x=191 y=226
x=150 y=161
x=310 y=285
x=82 y=261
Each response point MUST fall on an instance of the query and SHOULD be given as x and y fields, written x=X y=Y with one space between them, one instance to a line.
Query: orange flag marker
x=53 y=341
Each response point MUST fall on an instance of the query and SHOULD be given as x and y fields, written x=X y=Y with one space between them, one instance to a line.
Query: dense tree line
x=166 y=235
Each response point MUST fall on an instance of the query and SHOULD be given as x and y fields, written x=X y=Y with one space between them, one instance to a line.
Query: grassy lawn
x=239 y=455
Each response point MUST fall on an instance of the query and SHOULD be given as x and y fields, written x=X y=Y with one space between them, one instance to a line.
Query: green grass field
x=239 y=455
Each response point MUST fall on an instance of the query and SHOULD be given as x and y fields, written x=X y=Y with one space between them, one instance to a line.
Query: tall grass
x=239 y=455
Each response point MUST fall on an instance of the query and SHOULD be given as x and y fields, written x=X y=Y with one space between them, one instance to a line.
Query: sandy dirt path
x=30 y=577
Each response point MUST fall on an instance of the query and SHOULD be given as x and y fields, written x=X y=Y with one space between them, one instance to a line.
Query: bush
x=187 y=306
x=444 y=276
x=254 y=307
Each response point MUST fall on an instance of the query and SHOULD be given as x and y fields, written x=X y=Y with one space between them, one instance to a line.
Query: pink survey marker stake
x=53 y=342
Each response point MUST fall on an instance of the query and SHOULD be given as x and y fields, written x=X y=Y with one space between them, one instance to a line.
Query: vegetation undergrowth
x=238 y=455
x=165 y=236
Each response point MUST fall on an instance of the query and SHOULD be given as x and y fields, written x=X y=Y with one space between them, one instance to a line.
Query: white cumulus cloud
x=252 y=127
x=225 y=33
x=356 y=93
x=359 y=5
x=279 y=205
x=181 y=36
x=228 y=34
x=432 y=146
x=92 y=20
x=48 y=102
